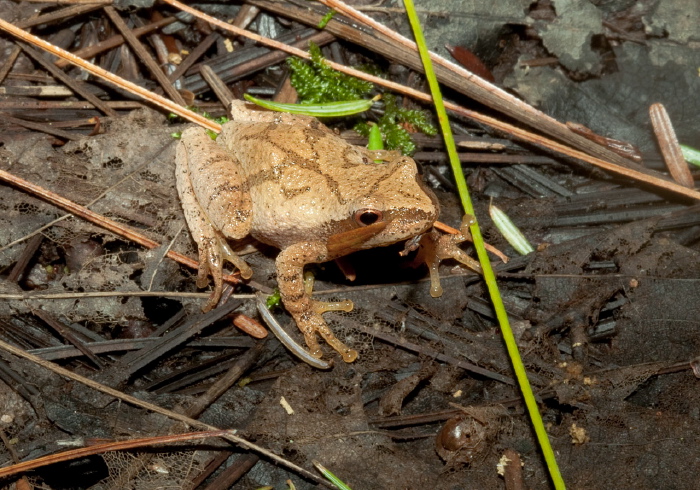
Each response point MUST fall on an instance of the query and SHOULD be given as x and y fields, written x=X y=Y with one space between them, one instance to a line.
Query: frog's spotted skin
x=290 y=182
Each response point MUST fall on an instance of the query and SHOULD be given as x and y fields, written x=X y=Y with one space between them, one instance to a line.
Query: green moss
x=326 y=18
x=316 y=82
x=392 y=122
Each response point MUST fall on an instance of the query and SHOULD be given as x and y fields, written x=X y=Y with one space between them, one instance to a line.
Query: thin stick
x=107 y=447
x=155 y=408
x=72 y=11
x=68 y=81
x=489 y=276
x=44 y=128
x=98 y=219
x=114 y=41
x=141 y=52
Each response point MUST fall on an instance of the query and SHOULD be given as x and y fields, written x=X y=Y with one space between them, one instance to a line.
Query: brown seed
x=249 y=326
x=670 y=149
x=622 y=148
x=470 y=61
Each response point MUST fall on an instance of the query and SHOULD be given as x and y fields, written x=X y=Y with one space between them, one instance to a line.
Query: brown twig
x=114 y=41
x=24 y=258
x=110 y=77
x=68 y=335
x=63 y=13
x=107 y=447
x=217 y=85
x=68 y=81
x=143 y=55
x=174 y=338
x=44 y=128
x=422 y=349
x=512 y=470
x=192 y=58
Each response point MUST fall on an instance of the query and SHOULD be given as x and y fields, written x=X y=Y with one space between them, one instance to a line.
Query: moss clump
x=316 y=83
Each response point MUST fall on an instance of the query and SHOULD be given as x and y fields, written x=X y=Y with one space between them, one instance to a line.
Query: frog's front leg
x=436 y=247
x=305 y=310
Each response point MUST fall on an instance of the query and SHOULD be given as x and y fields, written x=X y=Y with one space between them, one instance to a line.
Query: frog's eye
x=367 y=216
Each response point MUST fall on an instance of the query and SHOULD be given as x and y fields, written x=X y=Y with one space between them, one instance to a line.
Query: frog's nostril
x=366 y=216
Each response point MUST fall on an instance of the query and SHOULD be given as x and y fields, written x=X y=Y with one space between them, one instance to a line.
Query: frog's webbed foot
x=213 y=251
x=436 y=247
x=297 y=299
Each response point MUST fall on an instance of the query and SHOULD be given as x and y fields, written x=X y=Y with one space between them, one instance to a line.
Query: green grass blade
x=330 y=476
x=327 y=109
x=489 y=276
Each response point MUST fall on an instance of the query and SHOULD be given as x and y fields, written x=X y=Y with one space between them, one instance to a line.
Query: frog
x=292 y=183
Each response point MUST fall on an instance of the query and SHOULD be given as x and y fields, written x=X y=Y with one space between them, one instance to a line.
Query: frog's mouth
x=352 y=240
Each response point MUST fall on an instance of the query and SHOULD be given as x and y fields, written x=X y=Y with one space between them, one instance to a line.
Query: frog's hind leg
x=306 y=311
x=208 y=244
x=215 y=203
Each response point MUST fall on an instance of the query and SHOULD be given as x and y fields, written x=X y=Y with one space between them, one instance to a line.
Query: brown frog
x=292 y=183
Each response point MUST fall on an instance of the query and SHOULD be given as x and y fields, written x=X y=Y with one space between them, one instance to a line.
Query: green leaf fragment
x=330 y=476
x=691 y=155
x=509 y=231
x=274 y=299
x=489 y=275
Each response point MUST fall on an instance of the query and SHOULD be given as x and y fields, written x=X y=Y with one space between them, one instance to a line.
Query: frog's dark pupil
x=369 y=217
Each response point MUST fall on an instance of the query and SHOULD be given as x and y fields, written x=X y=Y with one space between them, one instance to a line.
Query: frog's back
x=300 y=178
x=307 y=183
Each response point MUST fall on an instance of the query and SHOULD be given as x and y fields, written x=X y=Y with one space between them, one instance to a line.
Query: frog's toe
x=463 y=258
x=313 y=325
x=210 y=265
x=323 y=306
x=348 y=354
x=309 y=329
x=233 y=258
x=213 y=300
